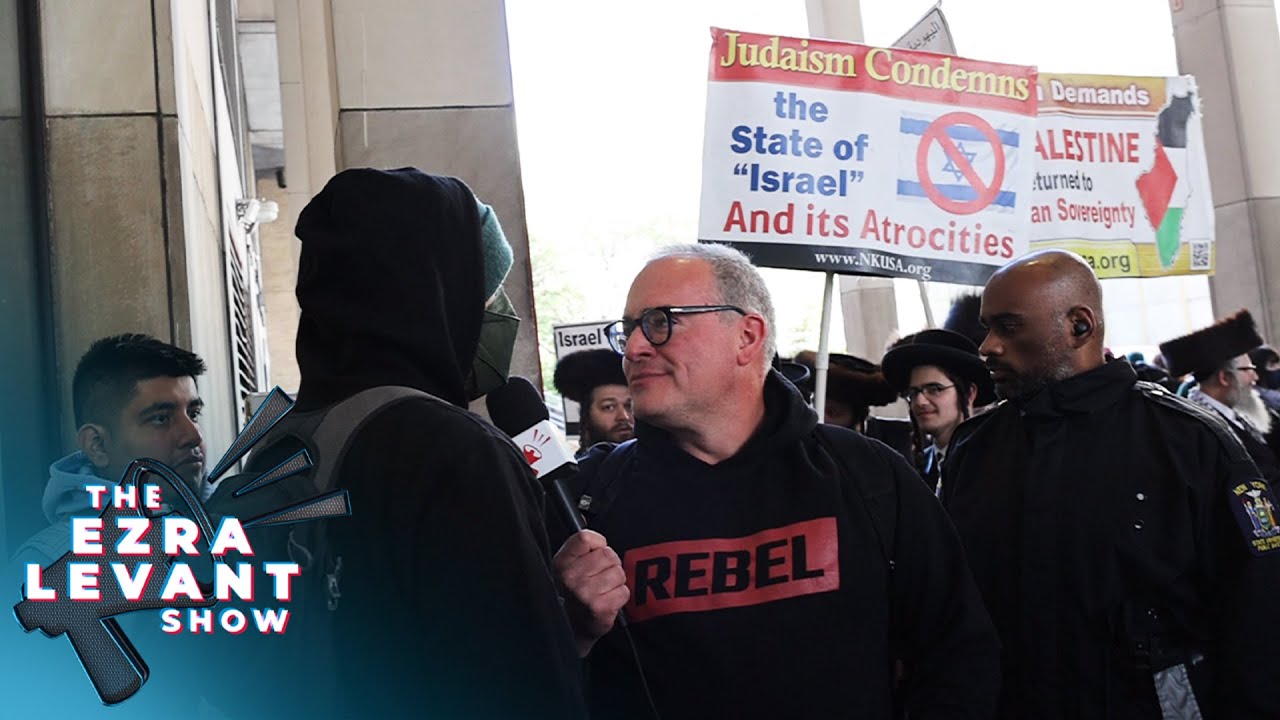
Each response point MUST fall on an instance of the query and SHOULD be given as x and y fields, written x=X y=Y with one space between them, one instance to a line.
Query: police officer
x=1121 y=537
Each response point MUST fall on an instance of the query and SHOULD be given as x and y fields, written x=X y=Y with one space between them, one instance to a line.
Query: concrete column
x=107 y=100
x=202 y=185
x=1233 y=49
x=136 y=217
x=390 y=83
x=309 y=100
x=429 y=84
x=26 y=415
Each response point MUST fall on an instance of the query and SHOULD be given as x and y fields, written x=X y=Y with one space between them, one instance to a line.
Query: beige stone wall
x=279 y=278
x=429 y=85
x=109 y=240
x=390 y=83
x=135 y=210
x=24 y=423
x=308 y=99
x=207 y=215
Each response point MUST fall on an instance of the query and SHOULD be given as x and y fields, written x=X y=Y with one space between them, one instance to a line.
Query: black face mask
x=492 y=363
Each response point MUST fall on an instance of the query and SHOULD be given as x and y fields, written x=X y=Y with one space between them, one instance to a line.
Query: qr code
x=1201 y=256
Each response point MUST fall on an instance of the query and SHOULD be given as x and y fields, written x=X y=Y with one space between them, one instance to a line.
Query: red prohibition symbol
x=986 y=191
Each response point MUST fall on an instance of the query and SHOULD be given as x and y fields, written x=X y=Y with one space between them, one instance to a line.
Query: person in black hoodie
x=1120 y=535
x=742 y=541
x=447 y=608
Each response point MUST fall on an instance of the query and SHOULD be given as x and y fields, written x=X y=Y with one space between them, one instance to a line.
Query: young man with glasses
x=759 y=579
x=941 y=376
x=1225 y=377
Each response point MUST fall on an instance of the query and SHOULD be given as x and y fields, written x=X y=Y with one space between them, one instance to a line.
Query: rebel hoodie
x=759 y=587
x=448 y=607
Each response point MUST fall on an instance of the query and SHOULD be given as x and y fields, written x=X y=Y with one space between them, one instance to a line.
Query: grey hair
x=738 y=281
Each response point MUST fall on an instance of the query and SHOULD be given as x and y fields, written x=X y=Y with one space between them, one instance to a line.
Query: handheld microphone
x=517 y=410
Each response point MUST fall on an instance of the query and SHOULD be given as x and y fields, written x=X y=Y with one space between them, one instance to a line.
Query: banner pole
x=928 y=309
x=821 y=364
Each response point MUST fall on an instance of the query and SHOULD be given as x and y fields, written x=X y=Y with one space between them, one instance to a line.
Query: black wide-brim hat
x=948 y=350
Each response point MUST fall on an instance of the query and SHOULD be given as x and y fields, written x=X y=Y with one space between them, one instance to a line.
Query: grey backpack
x=296 y=673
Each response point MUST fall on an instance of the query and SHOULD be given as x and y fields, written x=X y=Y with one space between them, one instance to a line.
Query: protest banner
x=830 y=156
x=572 y=338
x=930 y=33
x=1121 y=175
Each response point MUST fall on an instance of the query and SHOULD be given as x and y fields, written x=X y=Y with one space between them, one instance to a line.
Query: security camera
x=256 y=211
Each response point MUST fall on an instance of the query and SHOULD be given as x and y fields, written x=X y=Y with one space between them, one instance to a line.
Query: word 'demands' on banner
x=840 y=157
x=1121 y=175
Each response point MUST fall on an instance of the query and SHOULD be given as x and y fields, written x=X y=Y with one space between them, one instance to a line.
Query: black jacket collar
x=1085 y=393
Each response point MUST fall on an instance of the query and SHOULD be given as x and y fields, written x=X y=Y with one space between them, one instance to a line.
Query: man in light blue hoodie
x=134 y=397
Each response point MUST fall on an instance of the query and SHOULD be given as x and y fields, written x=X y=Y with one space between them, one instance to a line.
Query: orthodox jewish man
x=854 y=386
x=594 y=380
x=1217 y=356
x=943 y=379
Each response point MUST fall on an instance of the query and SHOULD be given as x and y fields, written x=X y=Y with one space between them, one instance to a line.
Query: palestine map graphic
x=1164 y=189
x=1121 y=176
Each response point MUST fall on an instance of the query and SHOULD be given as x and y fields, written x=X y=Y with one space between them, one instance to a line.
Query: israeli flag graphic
x=961 y=162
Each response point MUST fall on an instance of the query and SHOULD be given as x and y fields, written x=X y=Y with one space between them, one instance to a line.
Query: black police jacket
x=1115 y=530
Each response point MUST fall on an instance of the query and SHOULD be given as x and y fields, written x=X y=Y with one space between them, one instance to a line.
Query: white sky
x=610 y=100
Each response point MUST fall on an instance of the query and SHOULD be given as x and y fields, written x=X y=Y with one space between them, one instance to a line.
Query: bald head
x=1059 y=280
x=1044 y=316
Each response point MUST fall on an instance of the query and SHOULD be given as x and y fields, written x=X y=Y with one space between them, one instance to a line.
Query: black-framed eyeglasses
x=930 y=390
x=656 y=323
x=1247 y=368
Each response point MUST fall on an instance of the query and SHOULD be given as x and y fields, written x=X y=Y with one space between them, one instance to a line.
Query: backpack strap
x=329 y=434
x=342 y=422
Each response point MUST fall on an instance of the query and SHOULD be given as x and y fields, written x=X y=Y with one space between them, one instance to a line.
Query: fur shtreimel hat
x=1210 y=348
x=851 y=379
x=577 y=374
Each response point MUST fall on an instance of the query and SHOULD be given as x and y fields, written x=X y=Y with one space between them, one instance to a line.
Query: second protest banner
x=822 y=155
x=1121 y=175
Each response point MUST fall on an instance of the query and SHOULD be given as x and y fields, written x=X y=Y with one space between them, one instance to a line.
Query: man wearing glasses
x=942 y=378
x=743 y=542
x=1218 y=357
x=1123 y=541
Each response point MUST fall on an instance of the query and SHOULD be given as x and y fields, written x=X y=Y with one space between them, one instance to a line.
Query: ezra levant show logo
x=154 y=546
